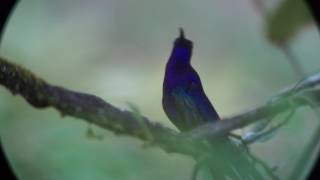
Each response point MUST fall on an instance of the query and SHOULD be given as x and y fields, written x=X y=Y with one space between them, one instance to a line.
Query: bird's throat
x=180 y=55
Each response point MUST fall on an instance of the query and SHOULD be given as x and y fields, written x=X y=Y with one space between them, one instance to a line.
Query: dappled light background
x=117 y=50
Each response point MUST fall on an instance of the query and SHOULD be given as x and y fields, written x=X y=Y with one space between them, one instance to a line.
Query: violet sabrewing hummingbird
x=187 y=106
x=184 y=100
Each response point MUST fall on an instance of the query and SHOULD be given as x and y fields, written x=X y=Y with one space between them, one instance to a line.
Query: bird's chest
x=176 y=79
x=177 y=87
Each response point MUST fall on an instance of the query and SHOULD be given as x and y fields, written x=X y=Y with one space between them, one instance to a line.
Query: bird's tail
x=228 y=160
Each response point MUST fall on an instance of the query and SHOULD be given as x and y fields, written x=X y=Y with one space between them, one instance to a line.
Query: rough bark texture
x=94 y=110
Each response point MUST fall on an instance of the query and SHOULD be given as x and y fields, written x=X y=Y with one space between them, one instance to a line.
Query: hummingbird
x=186 y=105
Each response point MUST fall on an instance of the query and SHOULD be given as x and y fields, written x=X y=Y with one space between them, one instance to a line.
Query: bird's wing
x=226 y=158
x=192 y=108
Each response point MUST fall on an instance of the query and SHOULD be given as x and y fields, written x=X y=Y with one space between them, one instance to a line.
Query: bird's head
x=182 y=49
x=182 y=42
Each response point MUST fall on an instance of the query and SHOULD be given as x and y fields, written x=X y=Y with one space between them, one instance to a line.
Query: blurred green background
x=117 y=50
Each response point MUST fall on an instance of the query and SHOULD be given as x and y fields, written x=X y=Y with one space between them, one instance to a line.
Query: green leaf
x=286 y=20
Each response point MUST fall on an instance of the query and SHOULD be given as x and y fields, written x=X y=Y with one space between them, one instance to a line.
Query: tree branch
x=93 y=109
x=291 y=97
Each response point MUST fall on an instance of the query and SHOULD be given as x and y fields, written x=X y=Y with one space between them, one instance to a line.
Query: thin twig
x=293 y=60
x=271 y=130
x=265 y=166
x=196 y=170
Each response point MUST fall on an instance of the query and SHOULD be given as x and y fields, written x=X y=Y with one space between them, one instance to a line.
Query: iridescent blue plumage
x=187 y=106
x=184 y=100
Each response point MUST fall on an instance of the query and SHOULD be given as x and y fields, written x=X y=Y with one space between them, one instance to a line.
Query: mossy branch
x=93 y=109
x=303 y=93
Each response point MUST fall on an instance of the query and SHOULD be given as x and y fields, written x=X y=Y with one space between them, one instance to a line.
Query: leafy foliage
x=287 y=20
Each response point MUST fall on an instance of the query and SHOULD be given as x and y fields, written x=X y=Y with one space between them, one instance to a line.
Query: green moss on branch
x=93 y=109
